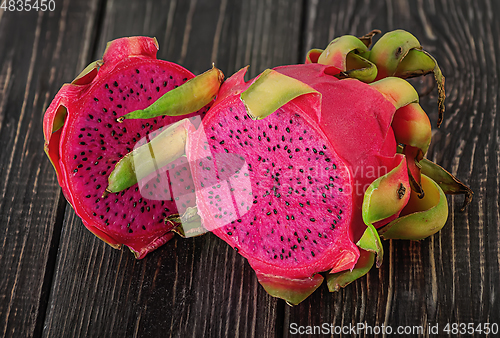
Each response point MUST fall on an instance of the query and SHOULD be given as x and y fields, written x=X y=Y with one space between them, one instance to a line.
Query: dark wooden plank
x=452 y=277
x=189 y=287
x=39 y=52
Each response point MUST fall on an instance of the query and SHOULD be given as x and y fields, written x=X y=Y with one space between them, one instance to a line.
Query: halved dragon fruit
x=84 y=141
x=324 y=171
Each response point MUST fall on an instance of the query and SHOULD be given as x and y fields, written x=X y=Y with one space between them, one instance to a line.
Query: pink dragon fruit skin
x=83 y=141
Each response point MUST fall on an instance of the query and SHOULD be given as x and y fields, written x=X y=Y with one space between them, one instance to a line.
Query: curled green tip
x=446 y=181
x=439 y=77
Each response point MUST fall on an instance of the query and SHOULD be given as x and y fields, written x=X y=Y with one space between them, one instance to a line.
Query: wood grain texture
x=58 y=280
x=33 y=64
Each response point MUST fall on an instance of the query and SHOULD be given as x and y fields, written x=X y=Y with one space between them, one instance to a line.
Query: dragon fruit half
x=84 y=141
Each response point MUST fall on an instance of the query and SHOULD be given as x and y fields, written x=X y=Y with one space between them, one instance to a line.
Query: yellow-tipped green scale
x=187 y=98
x=421 y=217
x=271 y=91
x=398 y=91
x=384 y=198
x=163 y=149
x=338 y=280
x=390 y=49
x=412 y=127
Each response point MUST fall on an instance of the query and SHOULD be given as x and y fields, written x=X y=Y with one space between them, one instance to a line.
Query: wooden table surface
x=58 y=280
